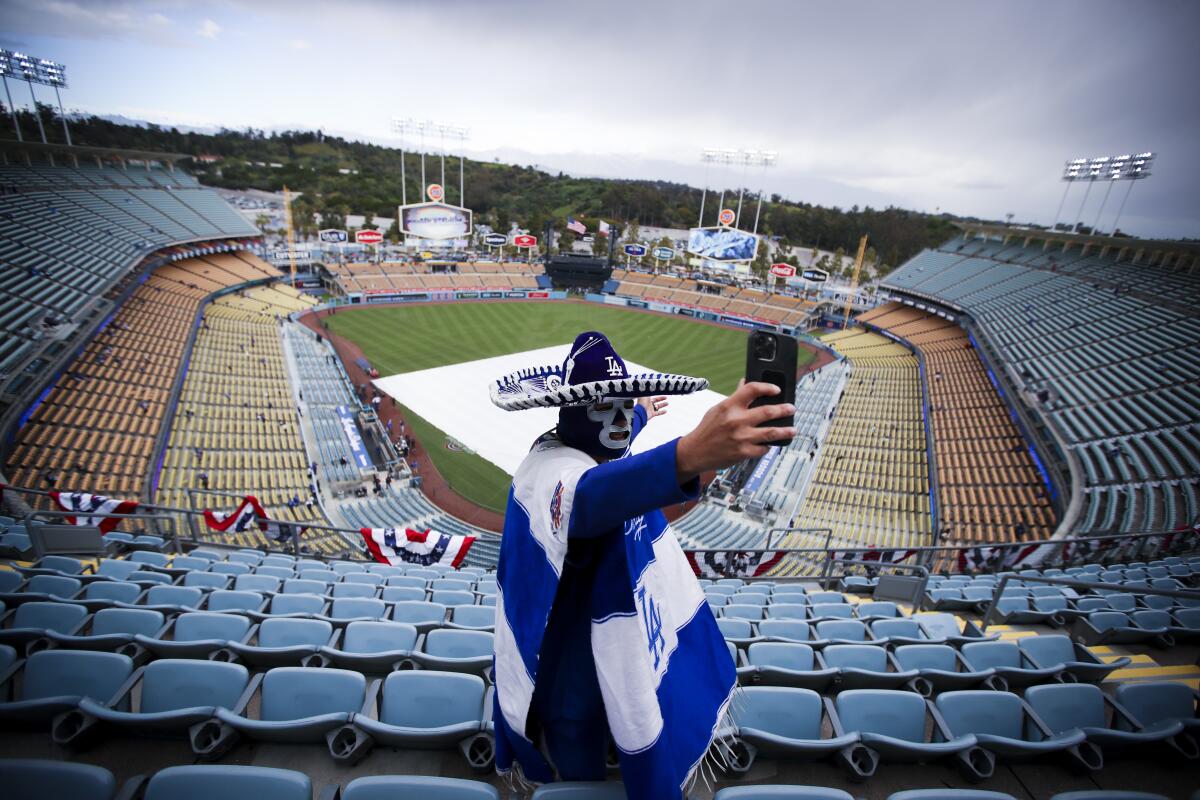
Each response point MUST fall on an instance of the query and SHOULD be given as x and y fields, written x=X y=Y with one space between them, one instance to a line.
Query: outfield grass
x=409 y=338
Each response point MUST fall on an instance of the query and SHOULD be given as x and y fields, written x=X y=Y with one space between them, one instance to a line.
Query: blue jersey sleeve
x=610 y=493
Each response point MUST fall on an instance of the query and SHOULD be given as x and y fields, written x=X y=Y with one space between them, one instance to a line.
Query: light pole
x=1104 y=168
x=34 y=70
x=402 y=126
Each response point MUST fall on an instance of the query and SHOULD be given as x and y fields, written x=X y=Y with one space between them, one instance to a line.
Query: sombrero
x=592 y=370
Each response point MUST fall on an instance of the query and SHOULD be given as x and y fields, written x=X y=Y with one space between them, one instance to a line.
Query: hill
x=338 y=177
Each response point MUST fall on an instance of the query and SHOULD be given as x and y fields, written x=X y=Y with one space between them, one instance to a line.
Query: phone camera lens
x=764 y=348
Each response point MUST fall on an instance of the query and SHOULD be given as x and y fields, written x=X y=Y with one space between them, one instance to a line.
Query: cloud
x=299 y=44
x=208 y=29
x=103 y=19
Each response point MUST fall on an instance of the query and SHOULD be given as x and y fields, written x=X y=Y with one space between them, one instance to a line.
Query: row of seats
x=987 y=481
x=98 y=424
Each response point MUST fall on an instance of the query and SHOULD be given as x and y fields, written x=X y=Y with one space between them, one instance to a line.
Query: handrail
x=30 y=517
x=1071 y=583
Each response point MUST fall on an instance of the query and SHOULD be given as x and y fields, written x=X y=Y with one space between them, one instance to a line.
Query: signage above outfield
x=368 y=237
x=284 y=256
x=435 y=192
x=495 y=239
x=525 y=240
x=333 y=236
x=663 y=253
x=722 y=244
x=435 y=221
x=635 y=250
x=815 y=275
x=726 y=217
x=783 y=270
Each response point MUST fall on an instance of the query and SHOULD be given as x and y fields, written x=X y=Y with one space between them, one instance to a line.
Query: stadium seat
x=787 y=611
x=294 y=604
x=409 y=581
x=105 y=594
x=54 y=681
x=278 y=572
x=264 y=584
x=173 y=598
x=769 y=792
x=876 y=610
x=206 y=781
x=944 y=628
x=450 y=650
x=393 y=787
x=864 y=666
x=786 y=723
x=296 y=705
x=206 y=580
x=1158 y=704
x=174 y=695
x=738 y=631
x=232 y=600
x=1116 y=627
x=117 y=569
x=360 y=590
x=823 y=611
x=1082 y=706
x=786 y=630
x=403 y=594
x=229 y=568
x=1009 y=664
x=784 y=664
x=482 y=618
x=949 y=794
x=111 y=629
x=284 y=642
x=303 y=586
x=940 y=668
x=372 y=647
x=198 y=634
x=843 y=631
x=423 y=710
x=32 y=621
x=893 y=725
x=1061 y=653
x=742 y=611
x=451 y=597
x=369 y=578
x=348 y=608
x=1003 y=726
x=424 y=616
x=37 y=779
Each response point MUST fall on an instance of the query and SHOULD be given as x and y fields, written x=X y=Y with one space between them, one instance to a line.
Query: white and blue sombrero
x=592 y=370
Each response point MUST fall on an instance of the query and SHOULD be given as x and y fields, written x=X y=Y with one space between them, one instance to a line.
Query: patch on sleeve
x=556 y=503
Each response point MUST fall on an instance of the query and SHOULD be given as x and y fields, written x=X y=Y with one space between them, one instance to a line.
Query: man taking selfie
x=601 y=627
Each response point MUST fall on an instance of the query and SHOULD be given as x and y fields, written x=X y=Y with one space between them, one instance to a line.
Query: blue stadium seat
x=356 y=590
x=229 y=568
x=424 y=616
x=893 y=725
x=769 y=792
x=409 y=581
x=206 y=580
x=1116 y=627
x=54 y=681
x=820 y=611
x=232 y=600
x=198 y=634
x=372 y=647
x=949 y=794
x=112 y=629
x=864 y=666
x=451 y=584
x=37 y=779
x=348 y=608
x=296 y=604
x=876 y=609
x=302 y=586
x=1159 y=704
x=940 y=668
x=105 y=594
x=265 y=584
x=281 y=573
x=369 y=578
x=31 y=621
x=284 y=642
x=738 y=631
x=423 y=710
x=9 y=580
x=451 y=597
x=1002 y=724
x=580 y=790
x=450 y=650
x=296 y=705
x=843 y=631
x=787 y=630
x=174 y=695
x=208 y=781
x=481 y=618
x=784 y=664
x=944 y=628
x=1061 y=653
x=173 y=598
x=1081 y=706
x=403 y=594
x=1008 y=662
x=898 y=631
x=742 y=611
x=786 y=723
x=787 y=611
x=150 y=557
x=393 y=787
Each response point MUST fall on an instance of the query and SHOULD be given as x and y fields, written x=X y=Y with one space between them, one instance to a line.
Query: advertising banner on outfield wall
x=722 y=244
x=435 y=221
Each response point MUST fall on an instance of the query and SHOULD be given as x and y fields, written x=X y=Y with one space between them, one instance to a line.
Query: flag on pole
x=603 y=227
x=248 y=513
x=575 y=225
x=88 y=509
x=398 y=548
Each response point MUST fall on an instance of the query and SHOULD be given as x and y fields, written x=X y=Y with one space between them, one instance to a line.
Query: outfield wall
x=695 y=312
x=451 y=295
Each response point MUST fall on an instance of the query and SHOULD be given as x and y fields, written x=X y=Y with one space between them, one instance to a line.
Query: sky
x=954 y=105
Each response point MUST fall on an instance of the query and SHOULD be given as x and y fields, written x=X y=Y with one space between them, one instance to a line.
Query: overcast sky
x=970 y=107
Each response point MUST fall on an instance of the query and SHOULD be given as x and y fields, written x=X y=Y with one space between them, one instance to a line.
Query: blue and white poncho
x=662 y=665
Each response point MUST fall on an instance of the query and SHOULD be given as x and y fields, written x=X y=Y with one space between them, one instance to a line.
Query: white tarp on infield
x=455 y=399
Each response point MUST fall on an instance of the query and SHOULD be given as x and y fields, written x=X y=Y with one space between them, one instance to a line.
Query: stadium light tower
x=34 y=70
x=402 y=126
x=1138 y=168
x=1104 y=168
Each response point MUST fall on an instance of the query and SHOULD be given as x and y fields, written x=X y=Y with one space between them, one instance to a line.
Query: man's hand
x=728 y=433
x=655 y=406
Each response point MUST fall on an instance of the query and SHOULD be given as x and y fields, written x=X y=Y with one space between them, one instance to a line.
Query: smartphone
x=771 y=358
